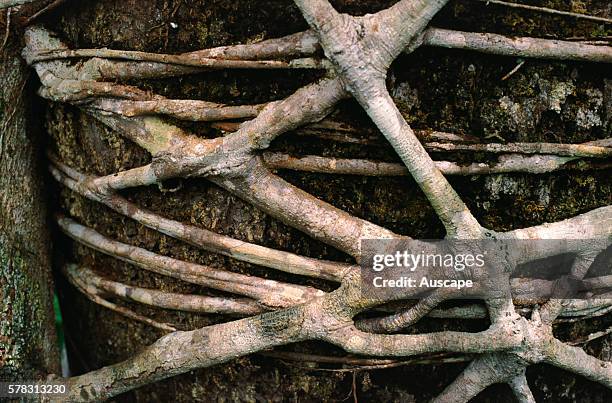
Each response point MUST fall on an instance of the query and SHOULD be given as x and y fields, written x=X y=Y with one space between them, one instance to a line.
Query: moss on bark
x=28 y=348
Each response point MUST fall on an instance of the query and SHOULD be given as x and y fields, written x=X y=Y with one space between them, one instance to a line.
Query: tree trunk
x=440 y=89
x=28 y=345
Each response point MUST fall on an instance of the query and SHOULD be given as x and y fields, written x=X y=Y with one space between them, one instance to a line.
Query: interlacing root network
x=357 y=54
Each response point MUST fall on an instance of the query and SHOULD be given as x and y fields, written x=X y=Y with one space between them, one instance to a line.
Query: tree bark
x=28 y=345
x=462 y=93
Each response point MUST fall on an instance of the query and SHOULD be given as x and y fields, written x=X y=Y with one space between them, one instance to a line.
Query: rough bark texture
x=28 y=347
x=443 y=89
